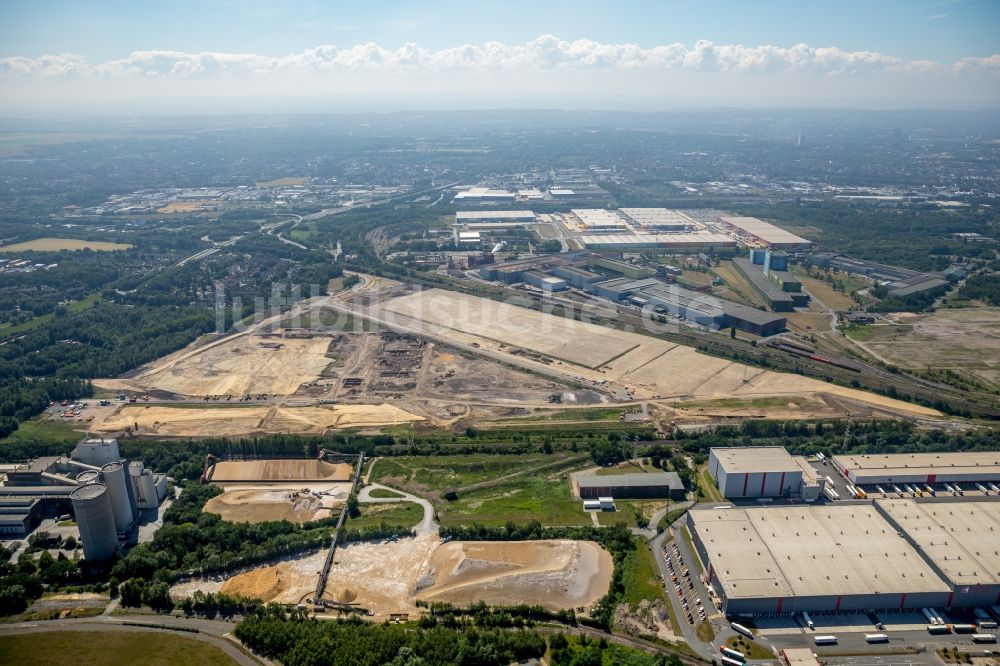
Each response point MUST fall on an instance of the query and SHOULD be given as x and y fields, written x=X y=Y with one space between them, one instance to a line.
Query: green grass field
x=42 y=429
x=403 y=514
x=536 y=492
x=642 y=579
x=108 y=647
x=707 y=486
x=382 y=492
x=622 y=468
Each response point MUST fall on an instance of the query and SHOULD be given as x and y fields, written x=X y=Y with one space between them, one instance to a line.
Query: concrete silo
x=87 y=477
x=143 y=486
x=121 y=506
x=94 y=516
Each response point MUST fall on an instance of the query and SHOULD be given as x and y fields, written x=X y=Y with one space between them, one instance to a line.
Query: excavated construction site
x=388 y=578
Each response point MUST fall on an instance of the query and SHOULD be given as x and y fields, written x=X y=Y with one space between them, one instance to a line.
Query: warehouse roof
x=752 y=459
x=691 y=238
x=636 y=480
x=810 y=551
x=764 y=231
x=486 y=215
x=960 y=539
x=889 y=464
x=752 y=315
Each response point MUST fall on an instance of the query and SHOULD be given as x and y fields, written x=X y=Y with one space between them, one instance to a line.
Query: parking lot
x=685 y=586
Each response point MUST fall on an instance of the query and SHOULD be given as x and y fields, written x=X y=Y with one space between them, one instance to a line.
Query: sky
x=215 y=55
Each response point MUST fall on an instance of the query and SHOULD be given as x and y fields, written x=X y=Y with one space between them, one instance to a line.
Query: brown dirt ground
x=258 y=506
x=281 y=470
x=649 y=368
x=389 y=577
x=230 y=421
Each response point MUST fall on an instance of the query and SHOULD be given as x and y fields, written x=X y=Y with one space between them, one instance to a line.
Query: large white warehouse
x=762 y=471
x=957 y=467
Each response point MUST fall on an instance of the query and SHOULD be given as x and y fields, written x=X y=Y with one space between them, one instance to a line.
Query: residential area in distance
x=453 y=348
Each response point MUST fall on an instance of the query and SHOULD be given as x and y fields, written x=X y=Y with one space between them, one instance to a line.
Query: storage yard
x=242 y=505
x=389 y=577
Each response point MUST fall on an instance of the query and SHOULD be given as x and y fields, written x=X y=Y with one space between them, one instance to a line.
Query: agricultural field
x=57 y=244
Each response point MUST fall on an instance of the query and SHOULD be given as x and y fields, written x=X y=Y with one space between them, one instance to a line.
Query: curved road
x=213 y=632
x=425 y=526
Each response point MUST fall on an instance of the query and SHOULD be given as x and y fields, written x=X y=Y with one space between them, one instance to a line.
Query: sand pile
x=556 y=574
x=223 y=421
x=282 y=470
x=266 y=583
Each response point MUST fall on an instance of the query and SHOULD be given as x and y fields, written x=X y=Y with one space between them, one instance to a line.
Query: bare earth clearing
x=231 y=421
x=237 y=365
x=965 y=340
x=281 y=470
x=258 y=506
x=389 y=577
x=650 y=368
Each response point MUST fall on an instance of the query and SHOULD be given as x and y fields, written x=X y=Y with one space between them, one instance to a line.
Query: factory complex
x=783 y=549
x=624 y=229
x=633 y=286
x=104 y=492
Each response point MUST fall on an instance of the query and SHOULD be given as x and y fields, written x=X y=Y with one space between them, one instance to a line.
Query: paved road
x=425 y=526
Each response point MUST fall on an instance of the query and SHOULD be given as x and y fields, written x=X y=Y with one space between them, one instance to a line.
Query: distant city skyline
x=228 y=56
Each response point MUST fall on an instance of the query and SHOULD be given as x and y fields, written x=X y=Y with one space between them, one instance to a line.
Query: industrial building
x=787 y=559
x=658 y=219
x=542 y=281
x=947 y=467
x=655 y=485
x=771 y=290
x=484 y=195
x=598 y=219
x=92 y=508
x=577 y=277
x=959 y=540
x=494 y=218
x=915 y=285
x=96 y=452
x=45 y=486
x=620 y=267
x=20 y=515
x=899 y=282
x=620 y=241
x=756 y=231
x=763 y=472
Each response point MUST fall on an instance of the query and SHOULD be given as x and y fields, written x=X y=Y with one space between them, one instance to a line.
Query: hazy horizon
x=210 y=58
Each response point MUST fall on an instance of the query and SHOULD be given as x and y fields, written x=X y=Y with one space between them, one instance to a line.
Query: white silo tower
x=117 y=483
x=92 y=508
x=87 y=477
x=143 y=485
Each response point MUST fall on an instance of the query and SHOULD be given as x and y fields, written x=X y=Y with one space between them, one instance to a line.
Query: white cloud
x=546 y=53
